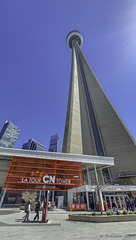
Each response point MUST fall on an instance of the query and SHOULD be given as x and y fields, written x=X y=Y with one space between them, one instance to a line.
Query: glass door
x=118 y=199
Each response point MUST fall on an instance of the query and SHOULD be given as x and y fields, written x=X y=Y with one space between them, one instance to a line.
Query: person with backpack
x=114 y=206
x=37 y=209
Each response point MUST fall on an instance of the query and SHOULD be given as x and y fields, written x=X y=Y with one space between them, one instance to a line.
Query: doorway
x=118 y=199
x=92 y=200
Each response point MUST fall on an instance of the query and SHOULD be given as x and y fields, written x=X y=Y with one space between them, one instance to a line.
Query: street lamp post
x=76 y=190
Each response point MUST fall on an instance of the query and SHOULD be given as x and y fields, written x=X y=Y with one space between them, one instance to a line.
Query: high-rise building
x=34 y=145
x=93 y=126
x=55 y=144
x=9 y=135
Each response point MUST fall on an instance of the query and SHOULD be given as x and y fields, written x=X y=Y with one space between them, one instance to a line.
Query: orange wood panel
x=43 y=174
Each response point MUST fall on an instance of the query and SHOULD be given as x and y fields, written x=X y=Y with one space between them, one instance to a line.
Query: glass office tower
x=34 y=145
x=9 y=135
x=55 y=143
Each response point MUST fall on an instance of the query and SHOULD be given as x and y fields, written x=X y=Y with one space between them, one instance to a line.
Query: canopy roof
x=90 y=160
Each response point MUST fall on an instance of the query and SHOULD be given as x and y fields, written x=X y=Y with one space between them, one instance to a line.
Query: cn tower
x=93 y=126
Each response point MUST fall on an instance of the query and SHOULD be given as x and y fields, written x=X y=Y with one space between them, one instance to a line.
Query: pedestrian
x=135 y=201
x=27 y=210
x=127 y=203
x=37 y=209
x=133 y=204
x=49 y=206
x=92 y=204
x=114 y=207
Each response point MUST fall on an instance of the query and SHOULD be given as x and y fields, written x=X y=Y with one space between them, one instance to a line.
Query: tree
x=30 y=196
x=98 y=180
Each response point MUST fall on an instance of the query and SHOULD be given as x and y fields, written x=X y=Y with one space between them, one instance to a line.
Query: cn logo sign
x=49 y=179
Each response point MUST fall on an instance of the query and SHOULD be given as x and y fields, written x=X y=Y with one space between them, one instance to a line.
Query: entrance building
x=44 y=171
x=88 y=194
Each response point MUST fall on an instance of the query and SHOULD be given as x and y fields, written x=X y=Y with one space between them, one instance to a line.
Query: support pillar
x=45 y=207
x=87 y=201
x=2 y=197
x=98 y=189
x=88 y=177
x=53 y=196
x=40 y=194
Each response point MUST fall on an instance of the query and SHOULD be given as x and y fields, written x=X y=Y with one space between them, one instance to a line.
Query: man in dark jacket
x=37 y=209
x=114 y=207
x=127 y=203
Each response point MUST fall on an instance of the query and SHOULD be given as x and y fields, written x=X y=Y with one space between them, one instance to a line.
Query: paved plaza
x=59 y=227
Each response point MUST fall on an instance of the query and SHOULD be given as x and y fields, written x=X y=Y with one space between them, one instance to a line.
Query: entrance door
x=118 y=199
x=92 y=200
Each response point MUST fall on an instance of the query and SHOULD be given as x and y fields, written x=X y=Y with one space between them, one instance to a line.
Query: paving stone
x=60 y=228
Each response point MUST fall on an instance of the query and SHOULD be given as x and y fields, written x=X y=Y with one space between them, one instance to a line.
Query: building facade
x=93 y=126
x=34 y=145
x=55 y=143
x=9 y=135
x=41 y=165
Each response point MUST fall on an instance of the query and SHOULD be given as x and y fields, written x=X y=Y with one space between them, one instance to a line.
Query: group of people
x=130 y=204
x=37 y=209
x=27 y=211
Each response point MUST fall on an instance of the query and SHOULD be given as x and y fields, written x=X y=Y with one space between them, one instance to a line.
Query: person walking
x=37 y=209
x=49 y=206
x=114 y=207
x=133 y=204
x=27 y=210
x=127 y=203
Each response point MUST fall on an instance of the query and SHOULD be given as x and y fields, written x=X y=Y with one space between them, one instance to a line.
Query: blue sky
x=35 y=61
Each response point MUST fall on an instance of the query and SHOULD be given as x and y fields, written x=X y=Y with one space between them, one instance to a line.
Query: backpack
x=26 y=209
x=35 y=209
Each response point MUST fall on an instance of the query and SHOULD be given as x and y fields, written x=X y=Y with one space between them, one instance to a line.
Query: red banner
x=77 y=206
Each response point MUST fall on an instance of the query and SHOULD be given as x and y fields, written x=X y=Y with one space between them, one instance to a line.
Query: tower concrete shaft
x=93 y=126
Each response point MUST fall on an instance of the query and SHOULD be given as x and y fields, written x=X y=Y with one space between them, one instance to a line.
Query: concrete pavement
x=60 y=228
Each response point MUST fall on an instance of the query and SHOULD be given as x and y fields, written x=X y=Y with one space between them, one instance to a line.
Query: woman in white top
x=27 y=212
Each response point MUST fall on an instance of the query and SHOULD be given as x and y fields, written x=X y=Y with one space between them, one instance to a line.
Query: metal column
x=2 y=197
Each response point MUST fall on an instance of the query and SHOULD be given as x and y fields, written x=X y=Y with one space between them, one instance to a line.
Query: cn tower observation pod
x=74 y=35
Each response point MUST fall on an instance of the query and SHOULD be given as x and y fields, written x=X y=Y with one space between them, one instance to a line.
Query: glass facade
x=55 y=144
x=34 y=145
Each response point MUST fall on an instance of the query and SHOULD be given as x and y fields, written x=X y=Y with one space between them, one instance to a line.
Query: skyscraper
x=55 y=143
x=9 y=135
x=93 y=126
x=33 y=145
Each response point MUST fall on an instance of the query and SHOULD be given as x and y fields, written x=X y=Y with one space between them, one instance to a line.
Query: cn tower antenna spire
x=74 y=35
